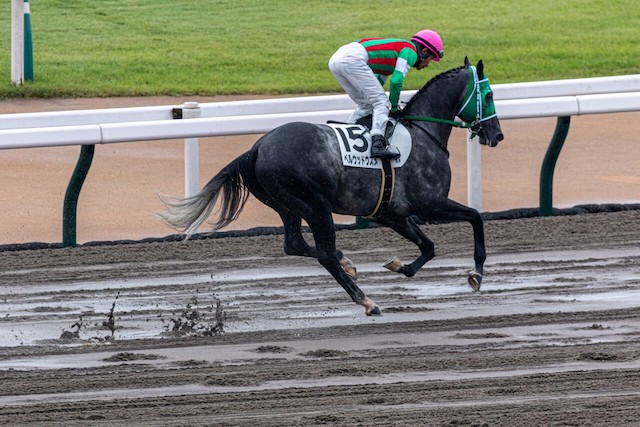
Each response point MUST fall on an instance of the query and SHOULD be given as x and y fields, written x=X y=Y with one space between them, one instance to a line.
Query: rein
x=442 y=146
x=454 y=123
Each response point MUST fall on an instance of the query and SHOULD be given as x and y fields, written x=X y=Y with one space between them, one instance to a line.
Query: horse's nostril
x=500 y=137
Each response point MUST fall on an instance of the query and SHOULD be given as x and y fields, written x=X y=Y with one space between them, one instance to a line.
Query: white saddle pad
x=355 y=146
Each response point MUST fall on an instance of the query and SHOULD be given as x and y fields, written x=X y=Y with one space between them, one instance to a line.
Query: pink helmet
x=432 y=41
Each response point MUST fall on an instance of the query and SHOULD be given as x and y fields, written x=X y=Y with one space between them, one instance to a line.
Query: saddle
x=355 y=152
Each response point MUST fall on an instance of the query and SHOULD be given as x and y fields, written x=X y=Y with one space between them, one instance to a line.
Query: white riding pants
x=349 y=66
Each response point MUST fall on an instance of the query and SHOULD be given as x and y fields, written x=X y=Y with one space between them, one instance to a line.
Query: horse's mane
x=441 y=76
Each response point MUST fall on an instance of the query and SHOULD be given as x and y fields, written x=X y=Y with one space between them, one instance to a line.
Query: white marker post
x=17 y=42
x=191 y=110
x=474 y=173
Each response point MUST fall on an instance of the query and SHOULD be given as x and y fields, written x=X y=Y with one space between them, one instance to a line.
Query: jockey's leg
x=380 y=146
x=378 y=98
x=349 y=67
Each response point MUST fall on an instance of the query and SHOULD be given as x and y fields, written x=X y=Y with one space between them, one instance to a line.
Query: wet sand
x=232 y=332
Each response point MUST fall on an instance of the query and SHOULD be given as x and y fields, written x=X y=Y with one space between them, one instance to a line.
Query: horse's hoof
x=475 y=280
x=370 y=307
x=393 y=264
x=373 y=311
x=349 y=267
x=352 y=272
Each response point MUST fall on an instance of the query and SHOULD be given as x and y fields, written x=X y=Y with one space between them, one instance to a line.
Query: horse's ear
x=466 y=62
x=480 y=68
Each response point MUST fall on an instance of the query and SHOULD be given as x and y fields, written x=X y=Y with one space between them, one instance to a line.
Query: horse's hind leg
x=294 y=243
x=408 y=229
x=324 y=234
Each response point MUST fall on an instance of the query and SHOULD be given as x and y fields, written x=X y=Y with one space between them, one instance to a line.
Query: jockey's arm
x=406 y=59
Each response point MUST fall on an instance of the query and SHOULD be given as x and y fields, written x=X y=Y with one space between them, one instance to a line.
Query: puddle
x=35 y=314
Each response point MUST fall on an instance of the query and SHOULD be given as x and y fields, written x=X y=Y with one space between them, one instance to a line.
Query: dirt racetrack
x=231 y=332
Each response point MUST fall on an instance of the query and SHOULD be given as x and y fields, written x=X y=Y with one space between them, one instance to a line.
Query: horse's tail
x=188 y=214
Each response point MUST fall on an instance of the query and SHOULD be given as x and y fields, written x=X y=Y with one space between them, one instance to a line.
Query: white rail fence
x=558 y=98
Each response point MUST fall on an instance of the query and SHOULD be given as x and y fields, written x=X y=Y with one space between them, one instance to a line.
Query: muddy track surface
x=233 y=332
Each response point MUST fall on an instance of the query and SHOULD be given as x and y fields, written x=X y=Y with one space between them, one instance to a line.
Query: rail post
x=191 y=110
x=73 y=192
x=28 y=44
x=549 y=164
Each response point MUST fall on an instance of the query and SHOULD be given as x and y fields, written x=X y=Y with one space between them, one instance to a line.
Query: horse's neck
x=441 y=100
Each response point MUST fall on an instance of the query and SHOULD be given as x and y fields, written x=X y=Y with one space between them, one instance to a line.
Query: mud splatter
x=196 y=321
x=74 y=331
x=110 y=323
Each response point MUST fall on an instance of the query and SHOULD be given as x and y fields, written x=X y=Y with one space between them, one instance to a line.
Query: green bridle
x=478 y=105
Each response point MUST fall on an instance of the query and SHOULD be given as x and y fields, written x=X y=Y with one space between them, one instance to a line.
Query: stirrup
x=389 y=152
x=395 y=151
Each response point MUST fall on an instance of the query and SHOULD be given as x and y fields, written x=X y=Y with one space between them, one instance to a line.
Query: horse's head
x=478 y=107
x=462 y=92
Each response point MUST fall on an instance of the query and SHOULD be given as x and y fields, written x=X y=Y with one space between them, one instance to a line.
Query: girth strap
x=386 y=189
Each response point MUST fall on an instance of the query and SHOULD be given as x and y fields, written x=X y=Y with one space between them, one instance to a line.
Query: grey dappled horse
x=297 y=170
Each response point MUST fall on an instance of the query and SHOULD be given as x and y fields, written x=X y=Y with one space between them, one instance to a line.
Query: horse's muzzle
x=490 y=140
x=493 y=142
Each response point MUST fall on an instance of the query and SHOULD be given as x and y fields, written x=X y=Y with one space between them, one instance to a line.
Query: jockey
x=362 y=67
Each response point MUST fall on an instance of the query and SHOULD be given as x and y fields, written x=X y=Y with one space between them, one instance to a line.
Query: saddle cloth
x=355 y=145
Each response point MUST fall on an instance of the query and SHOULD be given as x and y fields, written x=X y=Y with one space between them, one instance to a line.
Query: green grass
x=183 y=47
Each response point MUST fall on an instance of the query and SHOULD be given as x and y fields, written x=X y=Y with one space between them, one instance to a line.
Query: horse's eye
x=488 y=98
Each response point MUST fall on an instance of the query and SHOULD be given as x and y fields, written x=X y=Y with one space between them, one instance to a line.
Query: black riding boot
x=380 y=148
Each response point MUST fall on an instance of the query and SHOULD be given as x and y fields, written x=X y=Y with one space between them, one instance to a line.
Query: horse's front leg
x=408 y=229
x=479 y=253
x=454 y=211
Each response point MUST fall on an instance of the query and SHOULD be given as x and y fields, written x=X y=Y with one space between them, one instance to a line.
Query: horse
x=297 y=170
